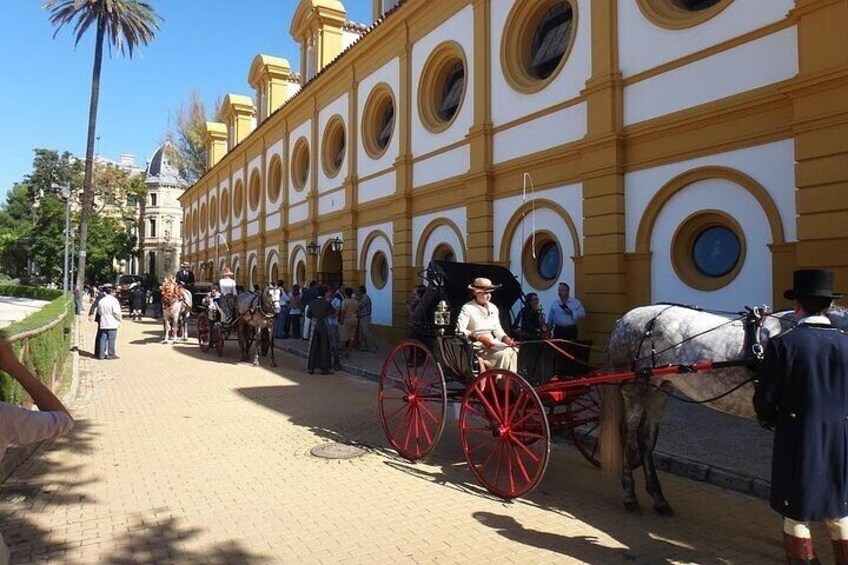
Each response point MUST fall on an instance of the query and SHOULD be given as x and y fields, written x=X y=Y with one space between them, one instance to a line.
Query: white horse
x=256 y=315
x=176 y=309
x=652 y=336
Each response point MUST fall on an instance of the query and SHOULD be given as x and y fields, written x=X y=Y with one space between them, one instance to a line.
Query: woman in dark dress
x=319 y=345
x=138 y=300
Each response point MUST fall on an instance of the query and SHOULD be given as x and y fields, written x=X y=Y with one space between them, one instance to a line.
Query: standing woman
x=320 y=311
x=295 y=310
x=347 y=320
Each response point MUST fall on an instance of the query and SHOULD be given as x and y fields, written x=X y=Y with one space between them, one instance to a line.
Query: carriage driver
x=227 y=285
x=803 y=393
x=479 y=321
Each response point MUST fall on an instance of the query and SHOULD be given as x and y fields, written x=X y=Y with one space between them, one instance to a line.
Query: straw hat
x=227 y=272
x=482 y=284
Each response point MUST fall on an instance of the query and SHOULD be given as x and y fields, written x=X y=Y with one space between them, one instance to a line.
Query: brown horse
x=664 y=334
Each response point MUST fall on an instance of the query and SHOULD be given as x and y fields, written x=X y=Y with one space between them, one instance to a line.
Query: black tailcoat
x=803 y=391
x=187 y=278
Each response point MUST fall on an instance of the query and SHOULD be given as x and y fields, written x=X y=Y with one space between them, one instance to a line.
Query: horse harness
x=753 y=319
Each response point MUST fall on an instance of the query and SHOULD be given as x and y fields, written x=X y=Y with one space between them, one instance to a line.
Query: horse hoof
x=273 y=364
x=663 y=509
x=633 y=507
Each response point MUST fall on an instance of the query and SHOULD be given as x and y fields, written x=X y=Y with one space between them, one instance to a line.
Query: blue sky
x=203 y=45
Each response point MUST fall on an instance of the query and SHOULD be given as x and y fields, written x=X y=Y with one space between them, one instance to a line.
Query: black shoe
x=326 y=372
x=113 y=357
x=310 y=371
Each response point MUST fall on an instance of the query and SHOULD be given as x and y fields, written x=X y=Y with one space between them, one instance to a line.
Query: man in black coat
x=185 y=276
x=803 y=393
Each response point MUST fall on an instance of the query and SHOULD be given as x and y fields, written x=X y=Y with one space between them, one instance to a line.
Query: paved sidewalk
x=183 y=457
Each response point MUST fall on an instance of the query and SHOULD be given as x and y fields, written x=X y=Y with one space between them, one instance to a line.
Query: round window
x=549 y=261
x=379 y=270
x=255 y=191
x=213 y=212
x=300 y=164
x=225 y=207
x=276 y=179
x=379 y=121
x=681 y=14
x=238 y=199
x=708 y=250
x=442 y=87
x=333 y=150
x=716 y=251
x=541 y=260
x=536 y=42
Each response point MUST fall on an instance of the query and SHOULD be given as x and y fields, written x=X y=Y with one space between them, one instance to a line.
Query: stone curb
x=668 y=462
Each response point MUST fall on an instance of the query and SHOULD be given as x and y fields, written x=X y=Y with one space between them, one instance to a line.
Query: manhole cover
x=337 y=451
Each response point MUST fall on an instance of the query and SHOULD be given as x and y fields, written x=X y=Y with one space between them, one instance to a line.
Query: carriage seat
x=459 y=358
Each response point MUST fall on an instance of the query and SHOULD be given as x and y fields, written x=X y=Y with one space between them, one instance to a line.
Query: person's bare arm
x=42 y=396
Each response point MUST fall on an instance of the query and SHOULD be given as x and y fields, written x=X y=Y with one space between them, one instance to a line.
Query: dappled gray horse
x=631 y=413
x=256 y=313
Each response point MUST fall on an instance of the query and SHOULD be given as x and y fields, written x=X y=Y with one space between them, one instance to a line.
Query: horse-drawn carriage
x=505 y=423
x=251 y=319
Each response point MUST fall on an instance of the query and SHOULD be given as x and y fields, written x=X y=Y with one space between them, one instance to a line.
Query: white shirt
x=557 y=316
x=19 y=426
x=110 y=312
x=475 y=319
x=227 y=286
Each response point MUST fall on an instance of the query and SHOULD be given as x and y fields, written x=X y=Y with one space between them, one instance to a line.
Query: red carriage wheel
x=504 y=433
x=216 y=338
x=583 y=416
x=413 y=400
x=203 y=332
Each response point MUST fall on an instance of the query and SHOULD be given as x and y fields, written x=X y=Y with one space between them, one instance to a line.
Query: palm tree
x=125 y=25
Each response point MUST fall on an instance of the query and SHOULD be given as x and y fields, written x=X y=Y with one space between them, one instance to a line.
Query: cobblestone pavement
x=179 y=456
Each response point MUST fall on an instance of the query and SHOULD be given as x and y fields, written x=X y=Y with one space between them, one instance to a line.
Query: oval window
x=379 y=270
x=716 y=251
x=549 y=261
x=695 y=5
x=452 y=91
x=300 y=273
x=550 y=40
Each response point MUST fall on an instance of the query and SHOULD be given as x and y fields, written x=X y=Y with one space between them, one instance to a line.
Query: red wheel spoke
x=400 y=409
x=425 y=430
x=520 y=462
x=532 y=454
x=530 y=414
x=491 y=414
x=425 y=411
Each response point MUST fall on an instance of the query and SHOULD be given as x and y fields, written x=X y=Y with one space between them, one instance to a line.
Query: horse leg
x=634 y=412
x=242 y=338
x=256 y=338
x=271 y=337
x=649 y=431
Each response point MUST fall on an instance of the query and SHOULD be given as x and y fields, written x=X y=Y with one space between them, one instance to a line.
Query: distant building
x=161 y=235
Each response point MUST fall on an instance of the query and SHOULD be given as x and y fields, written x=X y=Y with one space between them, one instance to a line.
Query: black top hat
x=812 y=283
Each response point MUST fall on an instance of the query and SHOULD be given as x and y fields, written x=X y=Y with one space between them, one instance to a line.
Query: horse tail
x=612 y=416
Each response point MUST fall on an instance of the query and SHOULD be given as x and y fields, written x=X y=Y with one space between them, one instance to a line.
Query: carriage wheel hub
x=500 y=432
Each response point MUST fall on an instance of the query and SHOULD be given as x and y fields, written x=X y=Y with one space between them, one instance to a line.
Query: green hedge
x=46 y=352
x=36 y=292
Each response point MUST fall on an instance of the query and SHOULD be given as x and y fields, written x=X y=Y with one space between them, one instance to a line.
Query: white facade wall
x=508 y=104
x=454 y=29
x=381 y=298
x=332 y=202
x=377 y=187
x=337 y=107
x=558 y=128
x=441 y=235
x=643 y=45
x=761 y=62
x=445 y=165
x=389 y=74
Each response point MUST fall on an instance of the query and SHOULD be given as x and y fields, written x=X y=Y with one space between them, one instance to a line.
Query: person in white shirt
x=19 y=426
x=227 y=286
x=480 y=321
x=564 y=314
x=110 y=313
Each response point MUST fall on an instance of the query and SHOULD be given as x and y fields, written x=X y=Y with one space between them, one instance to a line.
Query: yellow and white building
x=679 y=150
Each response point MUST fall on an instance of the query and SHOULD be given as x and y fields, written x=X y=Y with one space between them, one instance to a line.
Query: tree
x=124 y=25
x=190 y=145
x=15 y=229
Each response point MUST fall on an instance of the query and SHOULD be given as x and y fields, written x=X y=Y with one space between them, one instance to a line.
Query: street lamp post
x=66 y=194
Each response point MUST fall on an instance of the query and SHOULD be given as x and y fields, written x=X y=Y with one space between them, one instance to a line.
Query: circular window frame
x=519 y=30
x=374 y=108
x=194 y=223
x=275 y=178
x=225 y=207
x=204 y=217
x=682 y=246
x=667 y=15
x=335 y=126
x=530 y=265
x=254 y=194
x=238 y=199
x=376 y=270
x=188 y=224
x=300 y=162
x=432 y=83
x=213 y=212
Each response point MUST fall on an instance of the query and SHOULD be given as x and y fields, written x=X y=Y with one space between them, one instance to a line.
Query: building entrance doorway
x=331 y=267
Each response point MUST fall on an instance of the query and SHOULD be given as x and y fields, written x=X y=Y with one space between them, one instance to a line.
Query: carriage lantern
x=442 y=316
